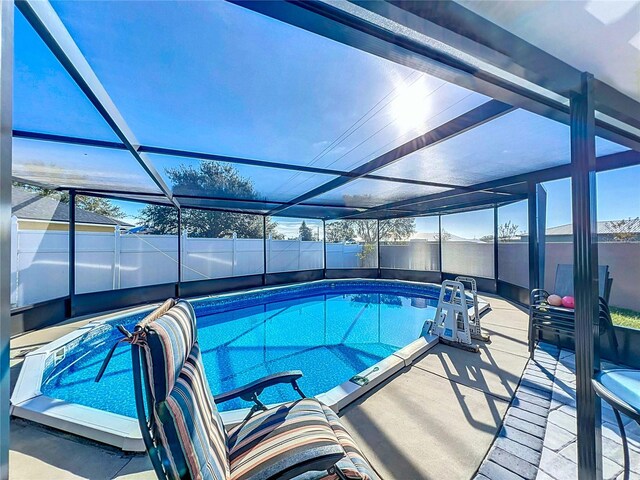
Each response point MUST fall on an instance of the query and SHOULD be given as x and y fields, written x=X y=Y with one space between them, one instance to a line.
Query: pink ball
x=568 y=302
x=554 y=300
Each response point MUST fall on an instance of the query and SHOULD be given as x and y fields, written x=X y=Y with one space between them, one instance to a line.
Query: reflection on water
x=331 y=338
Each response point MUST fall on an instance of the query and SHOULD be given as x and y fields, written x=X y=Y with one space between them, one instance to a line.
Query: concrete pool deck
x=435 y=419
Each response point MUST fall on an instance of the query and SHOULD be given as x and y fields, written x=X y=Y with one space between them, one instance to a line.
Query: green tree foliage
x=101 y=206
x=306 y=234
x=397 y=229
x=366 y=231
x=211 y=179
x=340 y=231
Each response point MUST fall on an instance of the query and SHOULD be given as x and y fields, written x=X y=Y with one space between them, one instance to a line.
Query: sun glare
x=409 y=110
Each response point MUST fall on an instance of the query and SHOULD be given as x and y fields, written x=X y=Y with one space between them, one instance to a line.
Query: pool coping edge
x=28 y=402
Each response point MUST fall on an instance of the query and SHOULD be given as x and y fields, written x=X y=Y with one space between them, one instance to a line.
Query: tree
x=101 y=206
x=208 y=179
x=306 y=235
x=443 y=236
x=366 y=232
x=397 y=229
x=625 y=230
x=340 y=231
x=506 y=232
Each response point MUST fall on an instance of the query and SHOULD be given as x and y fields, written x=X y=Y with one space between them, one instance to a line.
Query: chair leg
x=613 y=340
x=335 y=470
x=625 y=446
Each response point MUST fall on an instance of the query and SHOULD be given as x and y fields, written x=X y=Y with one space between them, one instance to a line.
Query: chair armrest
x=537 y=294
x=315 y=459
x=255 y=388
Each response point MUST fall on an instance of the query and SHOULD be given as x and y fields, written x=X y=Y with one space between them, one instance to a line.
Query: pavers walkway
x=538 y=439
x=559 y=453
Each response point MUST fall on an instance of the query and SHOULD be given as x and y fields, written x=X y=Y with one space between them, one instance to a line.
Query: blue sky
x=214 y=77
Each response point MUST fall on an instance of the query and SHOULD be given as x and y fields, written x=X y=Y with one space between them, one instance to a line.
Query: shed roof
x=32 y=206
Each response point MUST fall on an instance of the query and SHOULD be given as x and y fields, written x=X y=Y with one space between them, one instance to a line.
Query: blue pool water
x=330 y=331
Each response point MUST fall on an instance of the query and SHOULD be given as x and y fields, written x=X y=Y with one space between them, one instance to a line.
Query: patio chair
x=183 y=431
x=561 y=321
x=563 y=284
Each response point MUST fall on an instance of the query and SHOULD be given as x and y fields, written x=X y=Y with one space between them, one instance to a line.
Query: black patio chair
x=563 y=284
x=561 y=320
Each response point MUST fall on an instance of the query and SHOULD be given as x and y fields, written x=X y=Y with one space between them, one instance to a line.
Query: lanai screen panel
x=216 y=179
x=46 y=98
x=467 y=243
x=366 y=193
x=515 y=143
x=48 y=101
x=513 y=244
x=217 y=78
x=79 y=167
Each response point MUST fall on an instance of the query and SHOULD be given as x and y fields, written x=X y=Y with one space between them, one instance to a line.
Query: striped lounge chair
x=183 y=431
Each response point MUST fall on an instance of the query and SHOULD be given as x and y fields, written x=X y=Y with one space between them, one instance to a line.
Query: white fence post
x=117 y=246
x=184 y=253
x=234 y=254
x=299 y=253
x=268 y=254
x=14 y=261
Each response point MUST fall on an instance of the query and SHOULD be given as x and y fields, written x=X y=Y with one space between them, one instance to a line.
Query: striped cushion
x=170 y=338
x=188 y=427
x=354 y=465
x=269 y=441
x=186 y=424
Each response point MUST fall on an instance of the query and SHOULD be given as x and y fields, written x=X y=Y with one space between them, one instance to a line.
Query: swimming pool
x=344 y=335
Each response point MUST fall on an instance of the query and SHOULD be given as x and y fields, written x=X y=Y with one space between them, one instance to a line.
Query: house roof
x=603 y=227
x=28 y=205
x=433 y=237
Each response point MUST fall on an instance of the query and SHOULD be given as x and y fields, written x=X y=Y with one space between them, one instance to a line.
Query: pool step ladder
x=451 y=323
x=474 y=323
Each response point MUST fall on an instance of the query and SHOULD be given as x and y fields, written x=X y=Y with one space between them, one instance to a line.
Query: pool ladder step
x=451 y=322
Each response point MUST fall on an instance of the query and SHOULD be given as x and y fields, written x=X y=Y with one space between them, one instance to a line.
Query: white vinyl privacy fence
x=110 y=261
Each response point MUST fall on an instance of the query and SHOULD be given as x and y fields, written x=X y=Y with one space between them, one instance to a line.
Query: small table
x=620 y=388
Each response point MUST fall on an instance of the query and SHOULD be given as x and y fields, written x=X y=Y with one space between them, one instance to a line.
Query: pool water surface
x=330 y=336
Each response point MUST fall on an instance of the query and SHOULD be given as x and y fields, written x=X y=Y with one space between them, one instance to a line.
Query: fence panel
x=343 y=255
x=468 y=258
x=148 y=260
x=42 y=266
x=96 y=262
x=513 y=263
x=291 y=255
x=414 y=255
x=39 y=264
